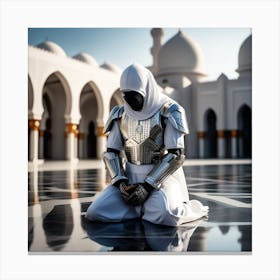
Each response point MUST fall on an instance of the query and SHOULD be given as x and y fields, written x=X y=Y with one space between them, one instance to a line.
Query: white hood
x=138 y=78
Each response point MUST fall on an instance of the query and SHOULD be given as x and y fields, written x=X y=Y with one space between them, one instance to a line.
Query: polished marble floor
x=58 y=198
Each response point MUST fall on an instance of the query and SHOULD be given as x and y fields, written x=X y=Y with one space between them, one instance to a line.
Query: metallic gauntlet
x=167 y=166
x=114 y=166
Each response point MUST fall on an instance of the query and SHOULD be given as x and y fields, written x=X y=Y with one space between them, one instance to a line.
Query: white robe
x=168 y=206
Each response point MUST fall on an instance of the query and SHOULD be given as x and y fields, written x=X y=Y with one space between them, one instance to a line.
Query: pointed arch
x=244 y=122
x=93 y=88
x=210 y=128
x=58 y=77
x=91 y=110
x=57 y=102
x=46 y=124
x=91 y=140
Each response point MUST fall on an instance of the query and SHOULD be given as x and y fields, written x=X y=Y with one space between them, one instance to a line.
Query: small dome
x=86 y=58
x=180 y=54
x=245 y=55
x=51 y=47
x=111 y=67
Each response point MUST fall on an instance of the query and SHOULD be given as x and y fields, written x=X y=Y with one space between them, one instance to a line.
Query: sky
x=124 y=46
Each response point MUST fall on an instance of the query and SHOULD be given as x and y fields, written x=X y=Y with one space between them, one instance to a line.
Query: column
x=201 y=137
x=233 y=137
x=34 y=128
x=221 y=143
x=71 y=142
x=100 y=142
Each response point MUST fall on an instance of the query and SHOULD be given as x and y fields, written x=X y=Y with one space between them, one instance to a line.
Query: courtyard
x=60 y=192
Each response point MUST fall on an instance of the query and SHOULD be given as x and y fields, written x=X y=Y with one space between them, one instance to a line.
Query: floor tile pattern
x=58 y=199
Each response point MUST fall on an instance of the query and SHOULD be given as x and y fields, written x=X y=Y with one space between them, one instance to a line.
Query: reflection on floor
x=58 y=200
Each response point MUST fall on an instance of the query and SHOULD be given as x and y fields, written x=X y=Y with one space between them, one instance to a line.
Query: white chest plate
x=143 y=139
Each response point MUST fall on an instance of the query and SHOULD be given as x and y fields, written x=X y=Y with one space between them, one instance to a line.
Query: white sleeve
x=173 y=138
x=115 y=140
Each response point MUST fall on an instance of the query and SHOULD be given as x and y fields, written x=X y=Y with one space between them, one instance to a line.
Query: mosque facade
x=69 y=100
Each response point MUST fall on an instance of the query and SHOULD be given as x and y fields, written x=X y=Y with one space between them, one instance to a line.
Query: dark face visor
x=134 y=99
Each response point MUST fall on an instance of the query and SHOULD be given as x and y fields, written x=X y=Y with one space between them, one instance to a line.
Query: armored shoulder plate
x=115 y=114
x=176 y=115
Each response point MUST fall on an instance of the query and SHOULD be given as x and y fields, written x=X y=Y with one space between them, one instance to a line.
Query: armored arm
x=114 y=166
x=164 y=168
x=175 y=157
x=111 y=157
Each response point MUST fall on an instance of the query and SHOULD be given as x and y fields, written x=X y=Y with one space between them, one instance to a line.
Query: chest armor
x=143 y=140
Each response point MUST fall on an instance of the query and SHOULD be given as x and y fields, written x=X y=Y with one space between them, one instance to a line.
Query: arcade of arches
x=213 y=143
x=237 y=143
x=52 y=137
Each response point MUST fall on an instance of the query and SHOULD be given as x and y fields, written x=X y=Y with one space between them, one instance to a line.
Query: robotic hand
x=139 y=194
x=134 y=194
x=125 y=190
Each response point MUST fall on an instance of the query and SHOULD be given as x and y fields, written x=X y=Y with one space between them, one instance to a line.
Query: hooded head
x=142 y=96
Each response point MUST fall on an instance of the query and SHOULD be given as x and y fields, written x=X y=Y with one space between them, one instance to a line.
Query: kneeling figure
x=150 y=183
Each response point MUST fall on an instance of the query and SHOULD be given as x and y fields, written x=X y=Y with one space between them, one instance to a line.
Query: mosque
x=69 y=100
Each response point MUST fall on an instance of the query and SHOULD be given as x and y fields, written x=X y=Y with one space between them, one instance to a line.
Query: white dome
x=245 y=55
x=86 y=58
x=180 y=54
x=111 y=67
x=51 y=47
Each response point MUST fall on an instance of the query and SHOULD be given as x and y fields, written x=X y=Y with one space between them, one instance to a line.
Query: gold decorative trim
x=220 y=133
x=100 y=131
x=72 y=128
x=234 y=133
x=201 y=134
x=34 y=124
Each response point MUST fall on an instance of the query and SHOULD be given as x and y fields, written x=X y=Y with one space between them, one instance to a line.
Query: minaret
x=157 y=34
